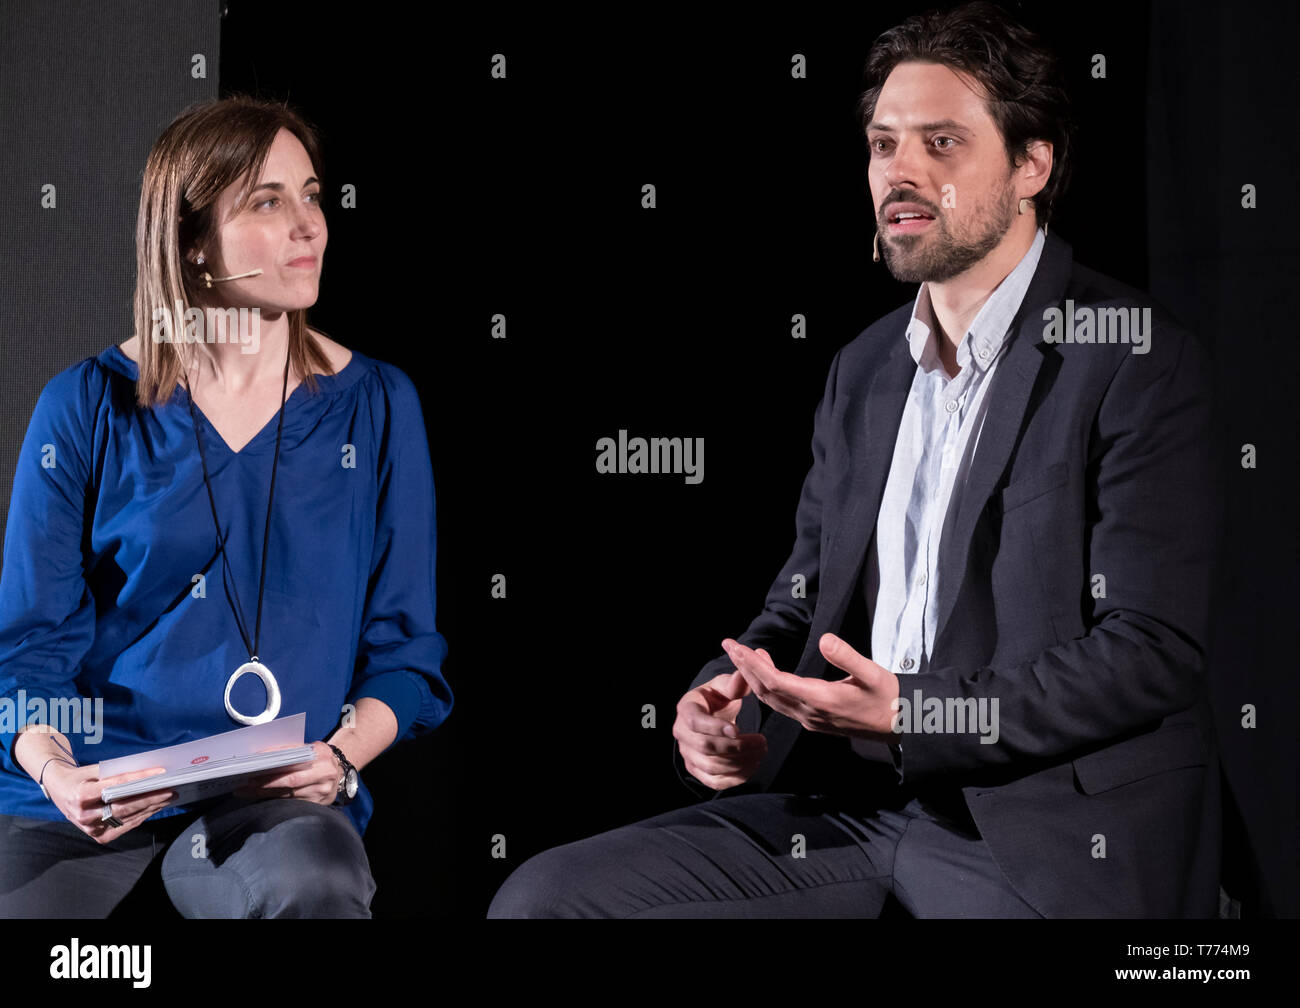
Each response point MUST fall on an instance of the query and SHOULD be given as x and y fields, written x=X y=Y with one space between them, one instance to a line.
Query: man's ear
x=1035 y=166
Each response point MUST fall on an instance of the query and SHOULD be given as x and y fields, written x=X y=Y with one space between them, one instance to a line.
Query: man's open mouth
x=908 y=220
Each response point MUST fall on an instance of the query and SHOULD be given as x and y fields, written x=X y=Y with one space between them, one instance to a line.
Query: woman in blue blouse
x=197 y=499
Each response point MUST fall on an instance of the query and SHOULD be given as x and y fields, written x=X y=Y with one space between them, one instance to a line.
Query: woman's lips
x=303 y=262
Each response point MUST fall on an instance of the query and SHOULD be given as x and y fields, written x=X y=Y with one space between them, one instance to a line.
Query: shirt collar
x=988 y=331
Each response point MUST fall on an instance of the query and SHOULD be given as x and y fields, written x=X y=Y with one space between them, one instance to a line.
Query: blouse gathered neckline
x=337 y=381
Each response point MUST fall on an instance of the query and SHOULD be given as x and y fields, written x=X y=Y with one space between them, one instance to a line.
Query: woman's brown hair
x=206 y=149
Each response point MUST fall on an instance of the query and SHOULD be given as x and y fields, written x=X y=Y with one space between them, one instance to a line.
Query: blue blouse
x=110 y=527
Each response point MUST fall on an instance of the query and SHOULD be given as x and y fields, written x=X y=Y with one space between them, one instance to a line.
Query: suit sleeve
x=1152 y=515
x=399 y=658
x=782 y=627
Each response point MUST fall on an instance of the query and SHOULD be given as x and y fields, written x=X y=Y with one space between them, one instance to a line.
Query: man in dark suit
x=1012 y=508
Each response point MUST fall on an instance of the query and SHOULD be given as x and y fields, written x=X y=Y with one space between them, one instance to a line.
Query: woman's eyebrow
x=280 y=186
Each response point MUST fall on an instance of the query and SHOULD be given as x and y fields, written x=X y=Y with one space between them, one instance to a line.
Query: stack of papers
x=214 y=765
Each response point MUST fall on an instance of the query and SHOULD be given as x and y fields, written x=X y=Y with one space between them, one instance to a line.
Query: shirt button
x=920 y=580
x=951 y=405
x=907 y=663
x=984 y=355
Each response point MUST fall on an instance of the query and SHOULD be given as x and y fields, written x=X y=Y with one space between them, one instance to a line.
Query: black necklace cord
x=238 y=608
x=266 y=534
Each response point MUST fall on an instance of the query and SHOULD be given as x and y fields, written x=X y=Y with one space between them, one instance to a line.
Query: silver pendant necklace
x=254 y=664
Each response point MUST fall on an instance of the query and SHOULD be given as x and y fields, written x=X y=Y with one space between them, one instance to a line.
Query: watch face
x=350 y=783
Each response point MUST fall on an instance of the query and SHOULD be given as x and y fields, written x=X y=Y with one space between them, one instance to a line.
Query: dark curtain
x=1221 y=115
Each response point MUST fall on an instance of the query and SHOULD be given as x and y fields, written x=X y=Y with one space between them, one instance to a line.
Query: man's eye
x=315 y=196
x=273 y=199
x=948 y=143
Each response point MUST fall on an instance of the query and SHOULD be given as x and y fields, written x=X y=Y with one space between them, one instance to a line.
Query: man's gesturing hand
x=860 y=705
x=705 y=730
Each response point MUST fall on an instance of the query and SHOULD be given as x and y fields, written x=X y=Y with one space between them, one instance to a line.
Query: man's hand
x=714 y=753
x=860 y=705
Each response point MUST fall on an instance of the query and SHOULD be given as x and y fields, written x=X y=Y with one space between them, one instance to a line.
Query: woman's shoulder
x=337 y=354
x=81 y=383
x=377 y=377
x=69 y=406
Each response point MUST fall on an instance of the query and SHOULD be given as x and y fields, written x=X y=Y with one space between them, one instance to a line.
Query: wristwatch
x=350 y=781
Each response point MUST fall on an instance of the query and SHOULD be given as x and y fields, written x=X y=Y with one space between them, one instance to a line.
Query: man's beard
x=938 y=256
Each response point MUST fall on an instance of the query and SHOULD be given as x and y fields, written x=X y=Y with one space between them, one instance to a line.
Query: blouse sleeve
x=47 y=611
x=400 y=654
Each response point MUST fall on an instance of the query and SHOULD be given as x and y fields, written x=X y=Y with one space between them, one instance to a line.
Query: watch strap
x=345 y=765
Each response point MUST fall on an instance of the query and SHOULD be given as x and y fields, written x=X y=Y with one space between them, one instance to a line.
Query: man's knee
x=543 y=886
x=601 y=876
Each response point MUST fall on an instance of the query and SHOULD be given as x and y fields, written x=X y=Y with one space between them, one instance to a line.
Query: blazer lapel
x=872 y=423
x=1013 y=382
x=872 y=430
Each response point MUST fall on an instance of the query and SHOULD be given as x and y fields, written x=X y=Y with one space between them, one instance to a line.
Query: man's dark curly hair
x=1022 y=81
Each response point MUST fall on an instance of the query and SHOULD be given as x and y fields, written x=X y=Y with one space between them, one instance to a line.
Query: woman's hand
x=75 y=791
x=317 y=781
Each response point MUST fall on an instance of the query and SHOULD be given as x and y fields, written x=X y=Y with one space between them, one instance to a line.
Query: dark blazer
x=1092 y=460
